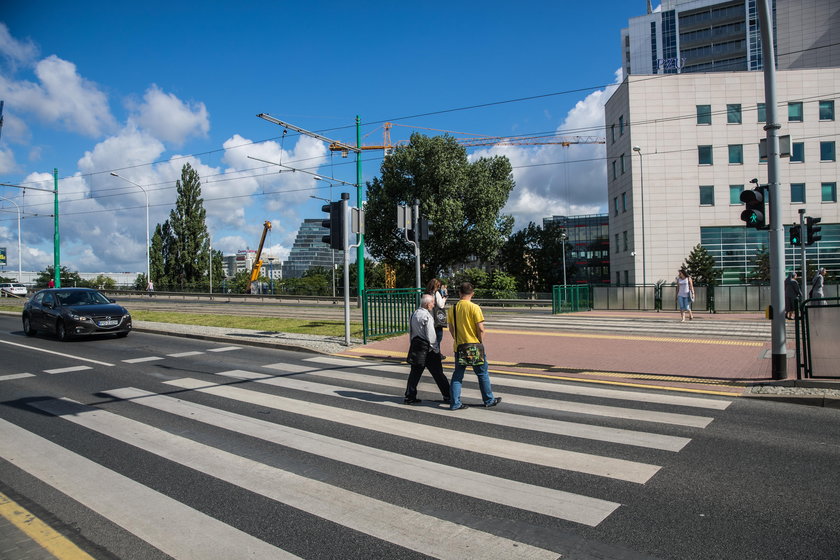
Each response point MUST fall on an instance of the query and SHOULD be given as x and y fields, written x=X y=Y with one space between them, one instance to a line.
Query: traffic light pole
x=777 y=229
x=802 y=249
x=416 y=210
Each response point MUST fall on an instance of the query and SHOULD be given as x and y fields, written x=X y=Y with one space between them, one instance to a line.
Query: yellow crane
x=255 y=271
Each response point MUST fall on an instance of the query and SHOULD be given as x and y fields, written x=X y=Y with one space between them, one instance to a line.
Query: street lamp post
x=638 y=150
x=148 y=265
x=20 y=255
x=563 y=239
x=331 y=250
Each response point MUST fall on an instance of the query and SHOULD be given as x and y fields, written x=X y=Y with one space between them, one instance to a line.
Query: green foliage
x=4 y=279
x=760 y=274
x=475 y=276
x=502 y=286
x=701 y=267
x=68 y=279
x=101 y=282
x=140 y=282
x=534 y=257
x=462 y=199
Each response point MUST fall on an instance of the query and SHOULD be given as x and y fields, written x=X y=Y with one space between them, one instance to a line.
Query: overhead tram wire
x=429 y=113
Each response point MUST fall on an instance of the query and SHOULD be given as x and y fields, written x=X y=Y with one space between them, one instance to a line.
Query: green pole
x=56 y=235
x=360 y=255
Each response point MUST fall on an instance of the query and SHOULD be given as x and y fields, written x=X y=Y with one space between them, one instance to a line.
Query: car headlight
x=79 y=317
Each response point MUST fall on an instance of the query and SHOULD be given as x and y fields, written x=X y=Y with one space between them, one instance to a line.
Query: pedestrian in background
x=150 y=288
x=466 y=325
x=437 y=290
x=51 y=283
x=685 y=294
x=817 y=287
x=424 y=351
x=793 y=293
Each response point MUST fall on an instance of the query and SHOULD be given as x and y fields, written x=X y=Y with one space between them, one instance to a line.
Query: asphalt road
x=171 y=447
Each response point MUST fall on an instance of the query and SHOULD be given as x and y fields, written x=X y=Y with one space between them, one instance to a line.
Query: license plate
x=110 y=323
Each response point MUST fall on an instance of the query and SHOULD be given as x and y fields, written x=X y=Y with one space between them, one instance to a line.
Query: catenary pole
x=776 y=234
x=56 y=235
x=360 y=252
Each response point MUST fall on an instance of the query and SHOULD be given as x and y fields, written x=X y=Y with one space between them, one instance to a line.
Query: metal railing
x=387 y=312
x=569 y=299
x=817 y=332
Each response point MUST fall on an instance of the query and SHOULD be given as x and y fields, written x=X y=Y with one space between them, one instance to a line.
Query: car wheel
x=27 y=327
x=122 y=334
x=61 y=332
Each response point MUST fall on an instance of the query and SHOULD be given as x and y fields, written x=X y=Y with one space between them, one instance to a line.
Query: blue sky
x=141 y=88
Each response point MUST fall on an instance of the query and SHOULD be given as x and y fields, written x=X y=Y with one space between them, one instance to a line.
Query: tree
x=461 y=199
x=68 y=279
x=534 y=257
x=760 y=274
x=701 y=266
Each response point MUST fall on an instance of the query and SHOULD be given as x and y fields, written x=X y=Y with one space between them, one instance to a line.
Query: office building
x=310 y=251
x=587 y=247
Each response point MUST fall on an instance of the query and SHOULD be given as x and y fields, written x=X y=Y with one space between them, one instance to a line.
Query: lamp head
x=637 y=149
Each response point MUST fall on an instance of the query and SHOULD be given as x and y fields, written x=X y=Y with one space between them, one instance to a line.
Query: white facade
x=659 y=114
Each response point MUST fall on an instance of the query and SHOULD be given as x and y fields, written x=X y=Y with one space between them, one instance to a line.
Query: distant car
x=12 y=288
x=71 y=312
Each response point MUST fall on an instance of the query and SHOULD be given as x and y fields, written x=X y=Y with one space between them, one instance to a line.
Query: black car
x=70 y=312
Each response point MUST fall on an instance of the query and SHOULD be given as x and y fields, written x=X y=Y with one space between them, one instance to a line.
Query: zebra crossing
x=347 y=414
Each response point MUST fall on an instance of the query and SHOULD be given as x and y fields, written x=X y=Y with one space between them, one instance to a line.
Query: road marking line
x=56 y=353
x=185 y=354
x=45 y=536
x=290 y=368
x=596 y=465
x=411 y=529
x=166 y=524
x=689 y=420
x=67 y=369
x=141 y=360
x=12 y=376
x=224 y=349
x=546 y=501
x=695 y=402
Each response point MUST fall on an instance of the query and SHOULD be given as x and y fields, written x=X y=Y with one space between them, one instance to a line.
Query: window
x=736 y=154
x=626 y=277
x=827 y=151
x=827 y=110
x=615 y=205
x=735 y=193
x=704 y=114
x=624 y=237
x=617 y=278
x=704 y=155
x=623 y=165
x=762 y=113
x=612 y=133
x=795 y=111
x=797 y=192
x=617 y=247
x=621 y=125
x=624 y=202
x=707 y=195
x=733 y=113
x=797 y=152
x=615 y=172
x=829 y=192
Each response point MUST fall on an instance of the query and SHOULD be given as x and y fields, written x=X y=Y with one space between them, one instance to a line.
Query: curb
x=228 y=340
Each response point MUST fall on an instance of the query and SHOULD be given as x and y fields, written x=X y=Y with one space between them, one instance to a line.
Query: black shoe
x=446 y=401
x=496 y=401
x=461 y=406
x=412 y=401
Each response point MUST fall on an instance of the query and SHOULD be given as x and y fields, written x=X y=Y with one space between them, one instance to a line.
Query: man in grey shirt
x=424 y=351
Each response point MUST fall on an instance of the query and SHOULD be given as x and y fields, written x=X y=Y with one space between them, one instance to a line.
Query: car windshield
x=81 y=298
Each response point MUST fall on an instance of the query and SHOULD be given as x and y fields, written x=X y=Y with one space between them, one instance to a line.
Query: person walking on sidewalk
x=817 y=290
x=424 y=352
x=437 y=290
x=793 y=293
x=466 y=325
x=685 y=294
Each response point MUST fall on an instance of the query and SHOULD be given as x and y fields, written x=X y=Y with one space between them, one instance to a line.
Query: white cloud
x=169 y=119
x=555 y=180
x=61 y=97
x=16 y=52
x=7 y=161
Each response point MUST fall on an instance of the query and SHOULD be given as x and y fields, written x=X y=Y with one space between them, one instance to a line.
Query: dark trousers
x=435 y=367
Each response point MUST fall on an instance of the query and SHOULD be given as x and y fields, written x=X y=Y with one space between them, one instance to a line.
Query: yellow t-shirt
x=469 y=316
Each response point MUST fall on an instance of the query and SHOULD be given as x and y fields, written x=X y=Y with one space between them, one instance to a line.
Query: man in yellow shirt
x=466 y=325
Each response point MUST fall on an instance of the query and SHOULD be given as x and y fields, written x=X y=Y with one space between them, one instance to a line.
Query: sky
x=141 y=88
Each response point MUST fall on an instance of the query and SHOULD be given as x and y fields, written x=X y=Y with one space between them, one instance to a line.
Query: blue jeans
x=685 y=302
x=483 y=382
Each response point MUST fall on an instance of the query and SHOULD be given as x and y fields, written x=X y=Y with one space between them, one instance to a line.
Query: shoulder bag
x=469 y=353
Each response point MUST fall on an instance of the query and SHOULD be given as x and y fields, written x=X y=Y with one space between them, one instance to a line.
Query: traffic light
x=423 y=227
x=754 y=215
x=814 y=234
x=335 y=224
x=796 y=236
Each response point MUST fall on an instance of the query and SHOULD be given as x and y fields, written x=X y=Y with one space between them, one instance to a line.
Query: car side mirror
x=112 y=300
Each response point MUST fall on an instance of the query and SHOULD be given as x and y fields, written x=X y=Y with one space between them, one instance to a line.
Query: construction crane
x=477 y=140
x=255 y=271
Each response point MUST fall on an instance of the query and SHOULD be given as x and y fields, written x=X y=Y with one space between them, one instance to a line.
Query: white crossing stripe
x=67 y=369
x=12 y=376
x=557 y=458
x=141 y=360
x=44 y=350
x=550 y=404
x=170 y=526
x=185 y=354
x=554 y=387
x=224 y=349
x=413 y=530
x=291 y=368
x=547 y=425
x=563 y=505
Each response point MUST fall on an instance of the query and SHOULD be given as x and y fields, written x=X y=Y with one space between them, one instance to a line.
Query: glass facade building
x=588 y=247
x=309 y=251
